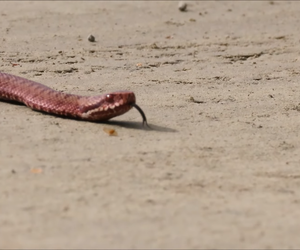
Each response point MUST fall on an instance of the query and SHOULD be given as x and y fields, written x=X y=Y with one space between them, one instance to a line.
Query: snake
x=42 y=98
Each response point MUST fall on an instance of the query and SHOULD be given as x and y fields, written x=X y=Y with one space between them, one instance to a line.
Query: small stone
x=154 y=46
x=182 y=6
x=91 y=38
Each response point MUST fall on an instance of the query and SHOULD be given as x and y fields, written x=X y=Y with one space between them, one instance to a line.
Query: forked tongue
x=142 y=114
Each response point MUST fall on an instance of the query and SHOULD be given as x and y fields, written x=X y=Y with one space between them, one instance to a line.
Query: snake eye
x=109 y=98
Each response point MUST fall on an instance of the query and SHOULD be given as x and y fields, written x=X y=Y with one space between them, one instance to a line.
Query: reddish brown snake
x=42 y=98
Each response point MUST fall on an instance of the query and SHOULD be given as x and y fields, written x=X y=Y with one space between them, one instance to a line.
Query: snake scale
x=42 y=98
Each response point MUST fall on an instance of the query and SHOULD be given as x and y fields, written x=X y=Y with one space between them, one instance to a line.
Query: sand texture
x=220 y=85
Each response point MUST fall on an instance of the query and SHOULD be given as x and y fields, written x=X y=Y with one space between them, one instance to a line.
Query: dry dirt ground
x=219 y=84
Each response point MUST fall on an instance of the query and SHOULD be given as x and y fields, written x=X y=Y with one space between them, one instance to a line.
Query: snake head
x=105 y=107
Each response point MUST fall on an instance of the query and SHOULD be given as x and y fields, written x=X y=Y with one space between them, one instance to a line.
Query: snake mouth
x=141 y=112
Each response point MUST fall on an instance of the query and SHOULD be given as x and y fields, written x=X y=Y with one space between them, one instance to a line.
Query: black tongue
x=142 y=114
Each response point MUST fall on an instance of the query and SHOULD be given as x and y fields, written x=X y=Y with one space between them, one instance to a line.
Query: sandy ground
x=219 y=84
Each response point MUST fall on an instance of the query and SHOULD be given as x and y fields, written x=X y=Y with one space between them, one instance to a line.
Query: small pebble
x=182 y=6
x=91 y=38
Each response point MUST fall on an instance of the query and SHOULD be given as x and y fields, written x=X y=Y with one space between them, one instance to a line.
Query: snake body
x=42 y=98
